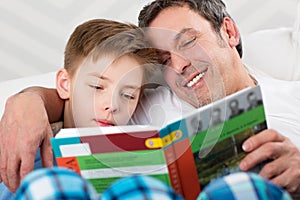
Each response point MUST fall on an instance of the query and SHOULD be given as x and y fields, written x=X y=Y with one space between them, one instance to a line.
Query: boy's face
x=105 y=92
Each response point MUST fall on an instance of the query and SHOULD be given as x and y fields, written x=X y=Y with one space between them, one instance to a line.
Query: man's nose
x=179 y=63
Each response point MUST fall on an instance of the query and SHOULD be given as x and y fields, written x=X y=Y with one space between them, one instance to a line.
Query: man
x=200 y=49
x=199 y=43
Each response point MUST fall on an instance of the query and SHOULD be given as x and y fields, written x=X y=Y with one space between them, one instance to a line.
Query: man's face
x=106 y=93
x=199 y=63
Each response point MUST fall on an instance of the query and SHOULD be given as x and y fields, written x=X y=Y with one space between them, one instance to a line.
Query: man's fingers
x=289 y=180
x=2 y=148
x=3 y=161
x=0 y=167
x=284 y=172
x=268 y=151
x=13 y=176
x=261 y=138
x=46 y=150
x=19 y=139
x=274 y=168
x=27 y=163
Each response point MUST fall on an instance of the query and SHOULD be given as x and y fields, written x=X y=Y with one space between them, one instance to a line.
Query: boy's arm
x=24 y=128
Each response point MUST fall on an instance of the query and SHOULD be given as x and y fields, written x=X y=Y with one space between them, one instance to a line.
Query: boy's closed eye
x=128 y=96
x=97 y=87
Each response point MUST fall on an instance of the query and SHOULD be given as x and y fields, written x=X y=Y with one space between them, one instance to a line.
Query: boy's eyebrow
x=106 y=78
x=132 y=87
x=98 y=76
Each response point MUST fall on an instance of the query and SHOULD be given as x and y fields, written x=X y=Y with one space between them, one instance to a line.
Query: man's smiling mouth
x=196 y=79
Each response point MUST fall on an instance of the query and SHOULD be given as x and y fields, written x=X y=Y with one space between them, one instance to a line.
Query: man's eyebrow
x=181 y=33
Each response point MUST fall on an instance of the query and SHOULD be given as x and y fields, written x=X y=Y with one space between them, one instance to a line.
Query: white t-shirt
x=282 y=106
x=281 y=100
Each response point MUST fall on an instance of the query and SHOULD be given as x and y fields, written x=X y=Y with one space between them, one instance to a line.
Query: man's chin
x=197 y=103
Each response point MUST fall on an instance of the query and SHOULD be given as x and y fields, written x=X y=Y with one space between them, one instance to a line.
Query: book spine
x=186 y=169
x=170 y=157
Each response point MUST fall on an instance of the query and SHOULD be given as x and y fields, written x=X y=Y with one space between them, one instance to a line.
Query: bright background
x=34 y=32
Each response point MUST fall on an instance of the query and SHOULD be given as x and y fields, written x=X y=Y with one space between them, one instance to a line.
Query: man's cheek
x=170 y=77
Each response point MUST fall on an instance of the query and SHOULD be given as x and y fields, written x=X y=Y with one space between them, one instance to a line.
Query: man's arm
x=24 y=128
x=284 y=168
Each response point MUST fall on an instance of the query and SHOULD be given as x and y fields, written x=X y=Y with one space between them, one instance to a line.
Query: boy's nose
x=111 y=108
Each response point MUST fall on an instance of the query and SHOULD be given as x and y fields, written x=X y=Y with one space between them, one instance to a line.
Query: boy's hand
x=23 y=128
x=284 y=167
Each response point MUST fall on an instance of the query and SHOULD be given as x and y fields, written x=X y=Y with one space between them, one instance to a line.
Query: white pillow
x=275 y=52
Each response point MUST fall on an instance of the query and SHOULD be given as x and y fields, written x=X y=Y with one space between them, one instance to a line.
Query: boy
x=102 y=77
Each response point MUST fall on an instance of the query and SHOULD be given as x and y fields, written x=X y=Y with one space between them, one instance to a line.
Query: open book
x=186 y=154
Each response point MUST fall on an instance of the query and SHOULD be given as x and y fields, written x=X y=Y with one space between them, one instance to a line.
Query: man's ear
x=232 y=32
x=63 y=84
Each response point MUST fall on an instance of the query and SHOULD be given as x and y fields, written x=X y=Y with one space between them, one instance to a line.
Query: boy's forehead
x=108 y=59
x=113 y=68
x=101 y=60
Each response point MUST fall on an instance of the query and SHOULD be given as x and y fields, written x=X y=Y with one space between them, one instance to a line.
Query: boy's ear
x=63 y=84
x=231 y=29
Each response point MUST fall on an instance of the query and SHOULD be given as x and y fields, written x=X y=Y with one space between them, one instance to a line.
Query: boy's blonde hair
x=100 y=36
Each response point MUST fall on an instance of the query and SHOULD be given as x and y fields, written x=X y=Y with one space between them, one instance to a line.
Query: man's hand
x=23 y=128
x=284 y=167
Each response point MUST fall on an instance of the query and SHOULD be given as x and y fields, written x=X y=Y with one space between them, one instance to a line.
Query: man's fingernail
x=246 y=146
x=243 y=165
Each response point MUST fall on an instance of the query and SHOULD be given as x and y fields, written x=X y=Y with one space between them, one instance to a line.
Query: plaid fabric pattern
x=138 y=188
x=60 y=183
x=55 y=183
x=243 y=186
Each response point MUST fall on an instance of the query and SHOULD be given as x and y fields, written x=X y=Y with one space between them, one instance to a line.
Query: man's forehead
x=165 y=39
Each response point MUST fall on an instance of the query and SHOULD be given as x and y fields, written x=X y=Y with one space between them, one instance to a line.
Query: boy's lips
x=104 y=123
